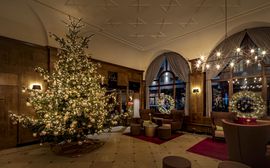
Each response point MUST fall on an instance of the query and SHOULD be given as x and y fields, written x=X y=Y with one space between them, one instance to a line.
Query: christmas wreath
x=165 y=104
x=247 y=104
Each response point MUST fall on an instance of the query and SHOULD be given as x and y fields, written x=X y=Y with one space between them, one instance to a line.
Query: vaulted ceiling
x=144 y=24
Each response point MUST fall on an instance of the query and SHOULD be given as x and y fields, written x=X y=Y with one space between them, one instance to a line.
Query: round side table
x=232 y=164
x=150 y=129
x=175 y=162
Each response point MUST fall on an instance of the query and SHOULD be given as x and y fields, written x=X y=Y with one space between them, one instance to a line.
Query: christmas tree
x=74 y=104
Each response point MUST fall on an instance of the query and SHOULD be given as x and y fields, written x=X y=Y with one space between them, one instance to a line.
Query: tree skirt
x=210 y=148
x=73 y=149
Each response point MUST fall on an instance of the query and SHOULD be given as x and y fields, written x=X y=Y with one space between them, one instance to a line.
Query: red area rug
x=155 y=139
x=210 y=148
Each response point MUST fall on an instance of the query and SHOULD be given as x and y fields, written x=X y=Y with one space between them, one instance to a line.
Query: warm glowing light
x=37 y=86
x=196 y=90
x=248 y=61
x=252 y=50
x=263 y=52
x=197 y=65
x=202 y=57
x=207 y=66
x=199 y=62
x=256 y=57
x=238 y=49
x=217 y=66
x=232 y=64
x=218 y=54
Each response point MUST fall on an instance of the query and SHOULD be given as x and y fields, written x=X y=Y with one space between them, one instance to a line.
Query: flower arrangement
x=165 y=104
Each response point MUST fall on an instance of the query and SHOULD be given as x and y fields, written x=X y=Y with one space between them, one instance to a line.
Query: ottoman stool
x=135 y=129
x=164 y=132
x=175 y=162
x=232 y=164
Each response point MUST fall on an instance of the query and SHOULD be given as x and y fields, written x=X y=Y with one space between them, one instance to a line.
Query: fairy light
x=232 y=64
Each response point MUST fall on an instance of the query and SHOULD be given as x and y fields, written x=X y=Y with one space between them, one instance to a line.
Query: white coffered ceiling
x=144 y=24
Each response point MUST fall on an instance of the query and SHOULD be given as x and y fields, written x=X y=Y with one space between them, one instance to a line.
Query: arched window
x=166 y=82
x=245 y=75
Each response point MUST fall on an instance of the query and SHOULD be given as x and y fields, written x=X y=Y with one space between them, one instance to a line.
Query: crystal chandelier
x=250 y=55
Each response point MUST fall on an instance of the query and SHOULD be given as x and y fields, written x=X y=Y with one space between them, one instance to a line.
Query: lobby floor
x=119 y=151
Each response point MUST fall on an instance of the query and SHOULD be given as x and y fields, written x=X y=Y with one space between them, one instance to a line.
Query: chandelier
x=250 y=55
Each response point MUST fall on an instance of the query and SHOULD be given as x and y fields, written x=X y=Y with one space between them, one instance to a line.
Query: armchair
x=176 y=121
x=248 y=143
x=216 y=123
x=144 y=115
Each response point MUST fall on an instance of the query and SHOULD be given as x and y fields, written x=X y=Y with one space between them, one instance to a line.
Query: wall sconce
x=35 y=86
x=195 y=90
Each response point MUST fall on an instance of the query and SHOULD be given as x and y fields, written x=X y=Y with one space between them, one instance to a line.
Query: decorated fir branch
x=74 y=104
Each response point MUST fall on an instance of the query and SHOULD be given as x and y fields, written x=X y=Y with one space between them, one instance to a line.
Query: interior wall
x=33 y=23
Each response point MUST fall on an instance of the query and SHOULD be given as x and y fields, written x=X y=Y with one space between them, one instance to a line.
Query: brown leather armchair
x=176 y=121
x=144 y=113
x=248 y=143
x=216 y=123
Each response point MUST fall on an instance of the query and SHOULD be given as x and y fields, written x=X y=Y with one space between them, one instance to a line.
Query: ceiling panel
x=145 y=23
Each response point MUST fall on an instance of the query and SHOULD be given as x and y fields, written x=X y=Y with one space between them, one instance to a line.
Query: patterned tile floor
x=119 y=151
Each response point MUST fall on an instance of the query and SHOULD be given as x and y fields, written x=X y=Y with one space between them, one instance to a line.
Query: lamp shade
x=195 y=90
x=36 y=87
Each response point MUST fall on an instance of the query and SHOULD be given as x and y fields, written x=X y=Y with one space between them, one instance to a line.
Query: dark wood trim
x=104 y=62
x=21 y=42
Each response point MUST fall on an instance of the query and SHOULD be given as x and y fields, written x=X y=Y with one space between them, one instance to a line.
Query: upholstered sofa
x=248 y=143
x=176 y=120
x=216 y=123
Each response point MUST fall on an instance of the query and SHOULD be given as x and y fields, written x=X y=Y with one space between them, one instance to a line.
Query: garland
x=165 y=108
x=253 y=100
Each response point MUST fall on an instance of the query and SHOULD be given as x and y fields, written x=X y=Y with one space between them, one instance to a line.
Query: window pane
x=168 y=90
x=180 y=96
x=153 y=96
x=220 y=96
x=166 y=78
x=251 y=84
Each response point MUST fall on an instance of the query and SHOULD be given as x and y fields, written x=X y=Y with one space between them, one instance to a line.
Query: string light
x=249 y=55
x=232 y=64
